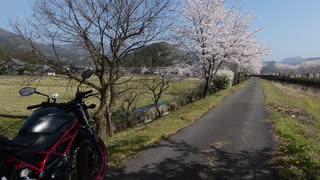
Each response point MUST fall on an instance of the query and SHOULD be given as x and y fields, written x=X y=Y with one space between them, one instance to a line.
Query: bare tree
x=107 y=30
x=157 y=86
x=128 y=101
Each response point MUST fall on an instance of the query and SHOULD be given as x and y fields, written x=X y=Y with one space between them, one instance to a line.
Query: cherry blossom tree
x=287 y=69
x=307 y=69
x=311 y=68
x=218 y=35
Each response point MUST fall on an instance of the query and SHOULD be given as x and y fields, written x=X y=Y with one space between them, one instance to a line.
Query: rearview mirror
x=27 y=91
x=87 y=74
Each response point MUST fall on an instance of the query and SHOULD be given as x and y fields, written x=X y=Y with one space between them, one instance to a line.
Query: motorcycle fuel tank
x=47 y=121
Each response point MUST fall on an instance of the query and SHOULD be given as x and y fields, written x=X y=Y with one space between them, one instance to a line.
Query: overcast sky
x=290 y=27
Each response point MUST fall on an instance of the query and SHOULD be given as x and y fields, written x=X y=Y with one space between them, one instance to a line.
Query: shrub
x=222 y=80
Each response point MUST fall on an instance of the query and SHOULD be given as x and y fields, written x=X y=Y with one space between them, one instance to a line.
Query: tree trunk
x=101 y=125
x=110 y=126
x=206 y=88
x=100 y=117
x=158 y=111
x=239 y=78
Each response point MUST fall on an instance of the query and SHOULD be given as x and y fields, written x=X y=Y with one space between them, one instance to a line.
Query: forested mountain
x=292 y=60
x=298 y=60
x=12 y=46
x=155 y=55
x=269 y=66
x=9 y=48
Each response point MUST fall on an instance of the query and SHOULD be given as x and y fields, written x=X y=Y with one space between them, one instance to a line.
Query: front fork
x=94 y=139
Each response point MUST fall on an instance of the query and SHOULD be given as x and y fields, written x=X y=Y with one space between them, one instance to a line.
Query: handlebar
x=34 y=106
x=79 y=97
x=87 y=92
x=46 y=104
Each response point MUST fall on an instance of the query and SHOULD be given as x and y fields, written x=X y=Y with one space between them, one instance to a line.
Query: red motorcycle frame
x=69 y=137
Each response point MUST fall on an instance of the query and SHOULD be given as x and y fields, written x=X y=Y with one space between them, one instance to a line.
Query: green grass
x=127 y=144
x=296 y=119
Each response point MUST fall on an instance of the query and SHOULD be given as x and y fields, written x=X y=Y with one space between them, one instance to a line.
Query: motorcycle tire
x=86 y=163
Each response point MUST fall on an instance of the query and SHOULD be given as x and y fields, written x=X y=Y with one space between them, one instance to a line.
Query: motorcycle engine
x=60 y=173
x=64 y=168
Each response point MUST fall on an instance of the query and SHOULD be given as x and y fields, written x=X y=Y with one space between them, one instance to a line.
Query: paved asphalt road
x=233 y=141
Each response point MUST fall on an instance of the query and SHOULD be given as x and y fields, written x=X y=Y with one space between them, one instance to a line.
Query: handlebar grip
x=92 y=106
x=87 y=92
x=81 y=95
x=34 y=106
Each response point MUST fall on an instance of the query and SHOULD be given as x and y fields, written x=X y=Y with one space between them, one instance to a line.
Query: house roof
x=18 y=62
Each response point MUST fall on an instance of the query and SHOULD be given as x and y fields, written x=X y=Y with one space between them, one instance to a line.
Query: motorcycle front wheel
x=92 y=162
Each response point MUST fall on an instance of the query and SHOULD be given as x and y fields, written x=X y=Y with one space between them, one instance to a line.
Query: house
x=77 y=69
x=12 y=66
x=39 y=69
x=18 y=67
x=51 y=73
x=181 y=70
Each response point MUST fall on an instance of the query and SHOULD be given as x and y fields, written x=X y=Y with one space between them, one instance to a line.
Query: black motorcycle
x=55 y=142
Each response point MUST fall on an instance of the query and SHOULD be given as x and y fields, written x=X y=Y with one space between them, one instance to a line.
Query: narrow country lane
x=233 y=141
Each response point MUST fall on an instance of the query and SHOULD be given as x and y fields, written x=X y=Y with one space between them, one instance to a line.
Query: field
x=13 y=104
x=296 y=118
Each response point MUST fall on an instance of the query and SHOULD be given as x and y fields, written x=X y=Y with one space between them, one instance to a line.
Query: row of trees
x=108 y=30
x=308 y=69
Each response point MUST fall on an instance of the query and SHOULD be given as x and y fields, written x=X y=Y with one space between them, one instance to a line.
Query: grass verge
x=9 y=127
x=127 y=144
x=296 y=119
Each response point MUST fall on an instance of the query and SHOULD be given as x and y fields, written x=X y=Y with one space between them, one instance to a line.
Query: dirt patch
x=294 y=112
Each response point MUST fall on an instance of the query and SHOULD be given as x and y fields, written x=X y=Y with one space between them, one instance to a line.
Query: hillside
x=313 y=59
x=269 y=67
x=11 y=46
x=155 y=55
x=292 y=60
x=6 y=36
x=8 y=46
x=298 y=60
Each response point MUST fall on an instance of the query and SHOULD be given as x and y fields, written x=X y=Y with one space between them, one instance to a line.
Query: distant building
x=180 y=69
x=51 y=73
x=12 y=66
x=77 y=69
x=18 y=67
